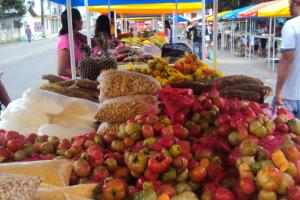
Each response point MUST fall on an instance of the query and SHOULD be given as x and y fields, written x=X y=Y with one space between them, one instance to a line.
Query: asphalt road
x=23 y=64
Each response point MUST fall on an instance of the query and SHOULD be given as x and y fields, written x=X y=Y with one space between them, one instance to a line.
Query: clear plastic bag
x=21 y=127
x=107 y=128
x=120 y=109
x=76 y=192
x=122 y=83
x=52 y=172
x=45 y=101
x=14 y=186
x=62 y=131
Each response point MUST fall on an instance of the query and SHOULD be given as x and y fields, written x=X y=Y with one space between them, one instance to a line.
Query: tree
x=235 y=4
x=18 y=5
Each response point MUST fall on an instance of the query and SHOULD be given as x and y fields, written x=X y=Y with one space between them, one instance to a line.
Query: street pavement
x=23 y=65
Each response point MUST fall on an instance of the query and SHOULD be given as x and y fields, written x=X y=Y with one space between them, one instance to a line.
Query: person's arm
x=289 y=41
x=63 y=59
x=284 y=70
x=4 y=97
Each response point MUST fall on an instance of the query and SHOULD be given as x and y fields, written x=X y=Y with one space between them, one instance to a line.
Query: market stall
x=155 y=132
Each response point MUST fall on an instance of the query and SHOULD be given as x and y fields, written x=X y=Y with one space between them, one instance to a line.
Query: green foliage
x=18 y=23
x=12 y=4
x=235 y=4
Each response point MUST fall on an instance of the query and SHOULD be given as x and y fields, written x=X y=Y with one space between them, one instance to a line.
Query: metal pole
x=175 y=22
x=246 y=39
x=215 y=32
x=203 y=30
x=163 y=23
x=87 y=23
x=274 y=37
x=269 y=41
x=250 y=40
x=108 y=10
x=43 y=19
x=121 y=21
x=71 y=38
x=115 y=23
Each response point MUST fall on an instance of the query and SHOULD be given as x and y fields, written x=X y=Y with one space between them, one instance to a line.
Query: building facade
x=33 y=18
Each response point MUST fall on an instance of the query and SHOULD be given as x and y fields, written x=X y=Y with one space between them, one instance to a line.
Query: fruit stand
x=131 y=135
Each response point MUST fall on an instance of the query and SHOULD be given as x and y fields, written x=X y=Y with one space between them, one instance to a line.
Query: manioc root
x=243 y=95
x=52 y=78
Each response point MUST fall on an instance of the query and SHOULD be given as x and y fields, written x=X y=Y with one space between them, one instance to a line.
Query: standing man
x=28 y=33
x=288 y=87
x=197 y=39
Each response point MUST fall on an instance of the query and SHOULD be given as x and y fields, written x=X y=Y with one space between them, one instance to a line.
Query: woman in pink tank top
x=63 y=46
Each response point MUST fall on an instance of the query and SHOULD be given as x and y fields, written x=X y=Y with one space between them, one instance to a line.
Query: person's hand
x=278 y=99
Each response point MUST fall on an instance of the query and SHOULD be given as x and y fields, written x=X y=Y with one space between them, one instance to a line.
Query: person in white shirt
x=288 y=81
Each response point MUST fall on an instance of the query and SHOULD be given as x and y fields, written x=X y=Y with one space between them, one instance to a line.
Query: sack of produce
x=21 y=127
x=14 y=186
x=107 y=128
x=122 y=83
x=48 y=102
x=82 y=191
x=81 y=109
x=25 y=115
x=63 y=131
x=120 y=109
x=73 y=122
x=52 y=172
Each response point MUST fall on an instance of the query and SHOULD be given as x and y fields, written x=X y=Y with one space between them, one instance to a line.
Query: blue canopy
x=76 y=3
x=181 y=19
x=233 y=15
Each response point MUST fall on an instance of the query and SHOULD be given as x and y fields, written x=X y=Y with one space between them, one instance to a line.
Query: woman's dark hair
x=167 y=24
x=103 y=26
x=76 y=16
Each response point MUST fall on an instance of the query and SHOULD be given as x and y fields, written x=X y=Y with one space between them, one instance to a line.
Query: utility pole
x=42 y=19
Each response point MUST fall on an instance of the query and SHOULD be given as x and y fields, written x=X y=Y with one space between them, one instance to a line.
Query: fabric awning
x=211 y=17
x=253 y=12
x=138 y=9
x=233 y=15
x=280 y=8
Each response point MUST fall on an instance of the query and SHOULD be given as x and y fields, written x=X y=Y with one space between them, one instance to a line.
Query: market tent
x=162 y=8
x=233 y=15
x=75 y=3
x=181 y=19
x=253 y=12
x=211 y=17
x=278 y=9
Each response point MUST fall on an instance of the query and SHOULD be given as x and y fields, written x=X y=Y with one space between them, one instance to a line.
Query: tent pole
x=115 y=23
x=203 y=30
x=163 y=23
x=269 y=41
x=71 y=38
x=246 y=39
x=215 y=32
x=250 y=39
x=87 y=23
x=274 y=37
x=175 y=22
x=108 y=10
